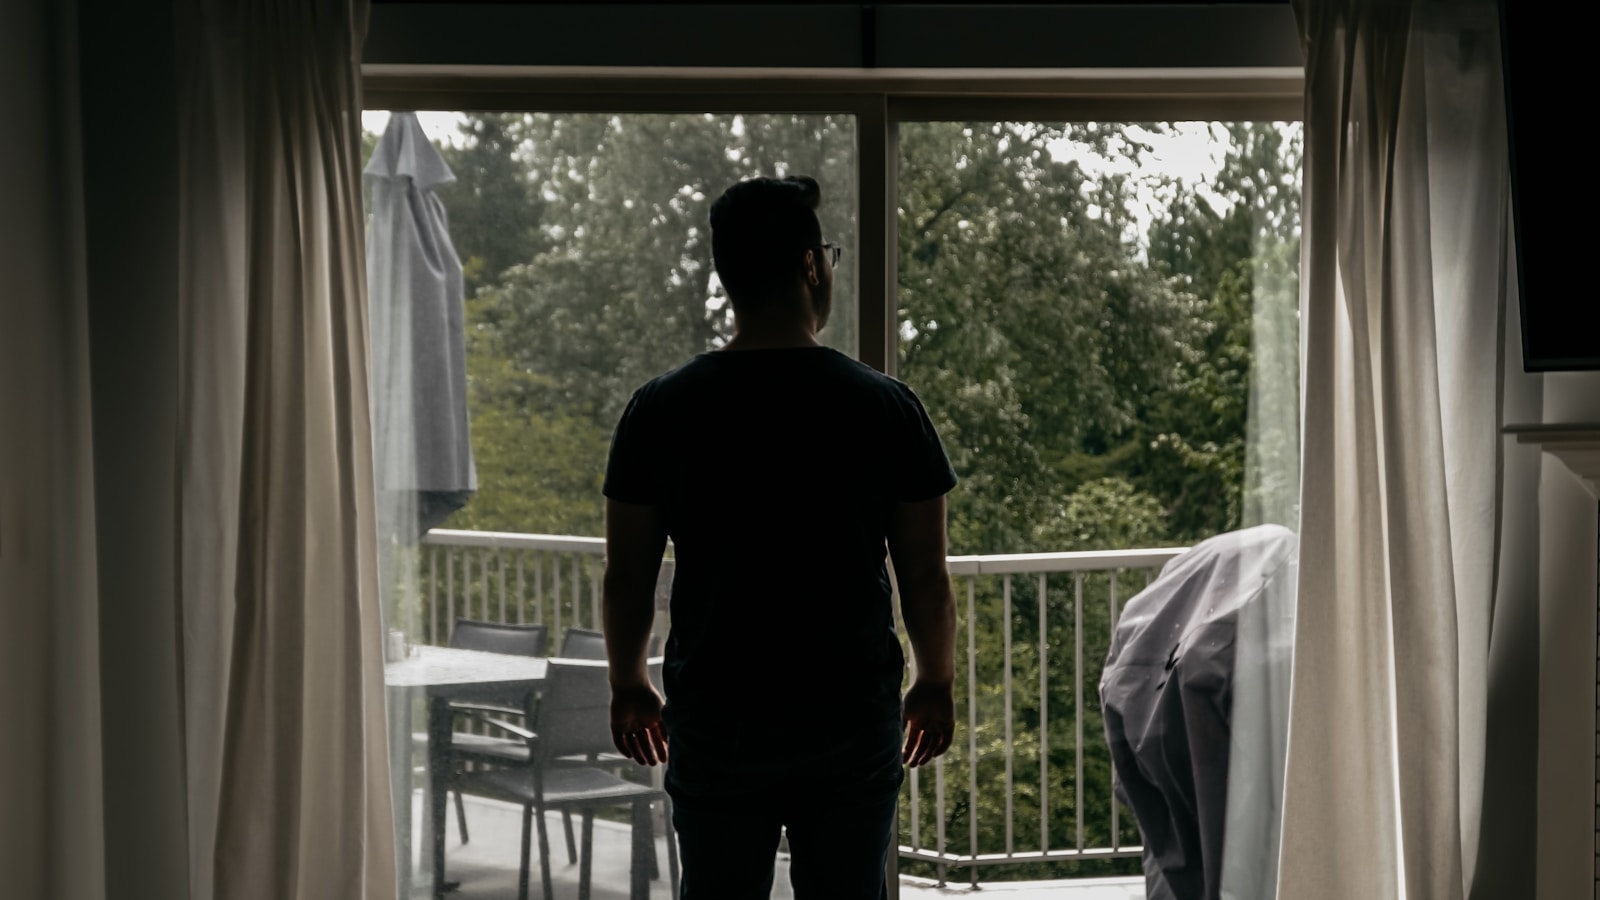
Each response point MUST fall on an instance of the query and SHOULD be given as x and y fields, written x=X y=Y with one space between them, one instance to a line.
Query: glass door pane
x=1102 y=320
x=585 y=269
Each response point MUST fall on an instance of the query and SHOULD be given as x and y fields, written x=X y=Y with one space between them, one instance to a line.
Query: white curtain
x=211 y=406
x=51 y=813
x=1403 y=274
x=288 y=769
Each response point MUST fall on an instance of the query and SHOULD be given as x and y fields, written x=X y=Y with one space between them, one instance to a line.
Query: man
x=782 y=470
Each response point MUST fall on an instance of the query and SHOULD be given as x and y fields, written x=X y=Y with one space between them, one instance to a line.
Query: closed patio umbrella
x=424 y=452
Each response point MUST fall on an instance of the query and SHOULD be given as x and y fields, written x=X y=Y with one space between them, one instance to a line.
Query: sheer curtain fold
x=1401 y=286
x=211 y=410
x=279 y=561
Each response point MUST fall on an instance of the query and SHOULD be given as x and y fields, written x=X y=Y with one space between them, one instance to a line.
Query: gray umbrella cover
x=422 y=442
x=1194 y=695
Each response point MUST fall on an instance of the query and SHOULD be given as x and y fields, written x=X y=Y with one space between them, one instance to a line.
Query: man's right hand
x=930 y=716
x=636 y=726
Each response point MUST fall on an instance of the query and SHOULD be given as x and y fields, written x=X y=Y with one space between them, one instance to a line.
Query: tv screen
x=1552 y=183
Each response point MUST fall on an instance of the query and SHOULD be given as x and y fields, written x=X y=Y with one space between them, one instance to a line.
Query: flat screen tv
x=1553 y=173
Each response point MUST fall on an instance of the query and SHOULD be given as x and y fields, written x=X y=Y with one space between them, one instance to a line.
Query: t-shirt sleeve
x=923 y=471
x=629 y=475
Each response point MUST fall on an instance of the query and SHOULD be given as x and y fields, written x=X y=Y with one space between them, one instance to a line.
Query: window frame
x=1224 y=80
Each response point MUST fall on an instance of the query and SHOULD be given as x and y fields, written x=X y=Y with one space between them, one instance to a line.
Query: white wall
x=1506 y=863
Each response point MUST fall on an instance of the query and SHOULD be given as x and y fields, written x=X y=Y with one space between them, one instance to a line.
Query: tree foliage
x=589 y=268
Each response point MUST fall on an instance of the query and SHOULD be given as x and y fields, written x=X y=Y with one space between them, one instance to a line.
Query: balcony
x=995 y=811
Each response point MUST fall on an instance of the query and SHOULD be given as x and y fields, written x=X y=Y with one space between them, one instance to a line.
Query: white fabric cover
x=1402 y=277
x=1194 y=712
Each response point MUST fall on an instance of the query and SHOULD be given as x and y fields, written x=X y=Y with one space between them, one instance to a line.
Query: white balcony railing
x=1064 y=605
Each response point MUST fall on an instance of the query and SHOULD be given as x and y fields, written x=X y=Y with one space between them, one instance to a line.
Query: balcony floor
x=487 y=867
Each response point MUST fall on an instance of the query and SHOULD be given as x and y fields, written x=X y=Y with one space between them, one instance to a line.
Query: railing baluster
x=1044 y=726
x=555 y=596
x=938 y=812
x=450 y=594
x=466 y=585
x=522 y=592
x=1077 y=701
x=483 y=575
x=413 y=624
x=465 y=610
x=911 y=661
x=433 y=595
x=1006 y=630
x=394 y=615
x=500 y=573
x=972 y=726
x=596 y=573
x=1116 y=827
x=577 y=588
x=538 y=587
x=916 y=811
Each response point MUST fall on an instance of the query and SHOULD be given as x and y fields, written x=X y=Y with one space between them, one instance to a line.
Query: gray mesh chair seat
x=585 y=643
x=563 y=787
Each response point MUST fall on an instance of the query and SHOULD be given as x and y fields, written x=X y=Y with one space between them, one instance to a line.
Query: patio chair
x=584 y=643
x=572 y=721
x=491 y=637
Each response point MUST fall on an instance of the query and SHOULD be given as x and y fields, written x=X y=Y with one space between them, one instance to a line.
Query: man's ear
x=811 y=268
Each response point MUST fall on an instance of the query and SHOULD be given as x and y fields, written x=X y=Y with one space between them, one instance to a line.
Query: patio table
x=435 y=670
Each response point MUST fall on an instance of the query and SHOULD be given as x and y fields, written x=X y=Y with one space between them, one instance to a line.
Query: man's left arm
x=635 y=539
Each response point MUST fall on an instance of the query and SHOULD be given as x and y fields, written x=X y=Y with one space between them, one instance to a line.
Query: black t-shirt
x=776 y=472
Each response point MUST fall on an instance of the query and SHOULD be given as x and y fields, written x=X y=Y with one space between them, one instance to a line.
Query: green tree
x=1029 y=325
x=1237 y=253
x=626 y=289
x=495 y=208
x=588 y=261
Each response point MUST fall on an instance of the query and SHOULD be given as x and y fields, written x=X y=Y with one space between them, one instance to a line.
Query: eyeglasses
x=834 y=251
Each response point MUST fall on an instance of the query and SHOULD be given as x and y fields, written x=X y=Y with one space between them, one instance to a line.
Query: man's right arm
x=917 y=548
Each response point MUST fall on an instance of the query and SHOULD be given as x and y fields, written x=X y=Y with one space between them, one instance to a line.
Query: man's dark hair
x=760 y=230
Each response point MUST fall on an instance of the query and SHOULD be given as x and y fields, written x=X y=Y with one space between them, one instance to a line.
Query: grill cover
x=1195 y=701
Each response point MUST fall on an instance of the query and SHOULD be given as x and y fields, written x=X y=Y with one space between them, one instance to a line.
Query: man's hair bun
x=810 y=191
x=760 y=230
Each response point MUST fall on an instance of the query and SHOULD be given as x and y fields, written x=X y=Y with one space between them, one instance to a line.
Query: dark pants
x=834 y=792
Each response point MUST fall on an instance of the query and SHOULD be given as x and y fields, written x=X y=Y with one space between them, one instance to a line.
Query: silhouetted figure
x=782 y=470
